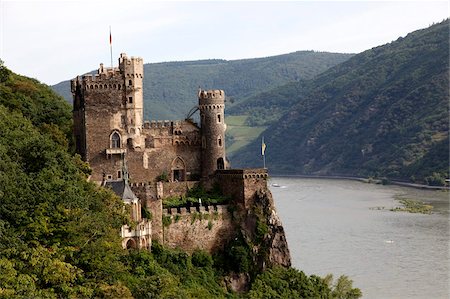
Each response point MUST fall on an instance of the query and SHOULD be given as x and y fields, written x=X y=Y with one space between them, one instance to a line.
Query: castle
x=145 y=162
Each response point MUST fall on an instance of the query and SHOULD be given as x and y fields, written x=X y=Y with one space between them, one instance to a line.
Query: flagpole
x=263 y=152
x=110 y=45
x=264 y=161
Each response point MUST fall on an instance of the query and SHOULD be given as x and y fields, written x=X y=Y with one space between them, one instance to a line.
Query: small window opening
x=130 y=82
x=119 y=174
x=218 y=118
x=130 y=100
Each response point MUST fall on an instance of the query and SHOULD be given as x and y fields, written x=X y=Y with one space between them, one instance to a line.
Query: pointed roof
x=122 y=187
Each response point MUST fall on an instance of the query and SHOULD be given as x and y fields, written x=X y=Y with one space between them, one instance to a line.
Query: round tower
x=211 y=104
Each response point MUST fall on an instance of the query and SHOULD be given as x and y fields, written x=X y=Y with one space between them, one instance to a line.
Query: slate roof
x=122 y=189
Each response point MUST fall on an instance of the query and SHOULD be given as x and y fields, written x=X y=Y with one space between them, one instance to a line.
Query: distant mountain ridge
x=384 y=112
x=170 y=88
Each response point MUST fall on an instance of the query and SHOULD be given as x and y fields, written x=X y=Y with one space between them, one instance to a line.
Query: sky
x=54 y=41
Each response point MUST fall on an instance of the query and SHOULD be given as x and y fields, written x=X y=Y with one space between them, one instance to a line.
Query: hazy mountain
x=383 y=112
x=170 y=88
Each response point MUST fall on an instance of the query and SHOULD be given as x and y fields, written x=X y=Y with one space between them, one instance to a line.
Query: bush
x=280 y=282
x=201 y=258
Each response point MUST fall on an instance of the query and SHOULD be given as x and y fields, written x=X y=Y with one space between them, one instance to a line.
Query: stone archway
x=178 y=170
x=131 y=244
x=143 y=243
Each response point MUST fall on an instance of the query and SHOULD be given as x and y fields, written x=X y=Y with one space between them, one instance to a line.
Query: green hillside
x=383 y=112
x=170 y=88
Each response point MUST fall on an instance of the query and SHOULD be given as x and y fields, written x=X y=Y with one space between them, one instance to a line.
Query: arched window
x=115 y=140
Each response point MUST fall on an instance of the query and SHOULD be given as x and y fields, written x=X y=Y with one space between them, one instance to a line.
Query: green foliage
x=4 y=72
x=201 y=258
x=210 y=225
x=146 y=213
x=59 y=234
x=166 y=220
x=382 y=113
x=413 y=206
x=288 y=283
x=235 y=257
x=342 y=288
x=436 y=179
x=213 y=197
x=163 y=177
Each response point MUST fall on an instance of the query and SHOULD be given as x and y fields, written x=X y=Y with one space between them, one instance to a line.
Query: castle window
x=130 y=82
x=106 y=86
x=119 y=86
x=219 y=141
x=115 y=140
x=109 y=177
x=130 y=100
x=119 y=174
x=220 y=164
x=219 y=118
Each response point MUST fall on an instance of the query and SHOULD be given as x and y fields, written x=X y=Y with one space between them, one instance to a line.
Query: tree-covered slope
x=170 y=88
x=383 y=112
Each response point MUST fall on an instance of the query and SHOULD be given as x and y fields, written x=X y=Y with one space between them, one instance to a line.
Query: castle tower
x=108 y=115
x=211 y=105
x=132 y=71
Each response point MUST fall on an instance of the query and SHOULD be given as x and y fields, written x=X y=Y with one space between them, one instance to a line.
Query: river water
x=339 y=227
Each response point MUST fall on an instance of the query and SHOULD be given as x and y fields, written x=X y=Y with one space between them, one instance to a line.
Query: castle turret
x=211 y=106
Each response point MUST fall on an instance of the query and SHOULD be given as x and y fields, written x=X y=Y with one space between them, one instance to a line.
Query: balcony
x=116 y=151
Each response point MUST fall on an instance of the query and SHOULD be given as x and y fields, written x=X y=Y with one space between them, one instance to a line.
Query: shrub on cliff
x=288 y=283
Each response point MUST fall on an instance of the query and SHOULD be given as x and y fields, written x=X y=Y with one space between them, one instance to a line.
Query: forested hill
x=170 y=88
x=383 y=112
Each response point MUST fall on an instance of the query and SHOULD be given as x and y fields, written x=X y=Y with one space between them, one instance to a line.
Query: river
x=336 y=226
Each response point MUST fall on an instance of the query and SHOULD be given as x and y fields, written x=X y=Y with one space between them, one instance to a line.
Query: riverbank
x=364 y=180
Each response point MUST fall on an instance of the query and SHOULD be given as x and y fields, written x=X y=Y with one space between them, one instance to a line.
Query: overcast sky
x=53 y=41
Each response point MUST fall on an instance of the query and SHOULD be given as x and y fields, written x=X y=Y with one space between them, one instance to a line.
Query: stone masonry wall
x=189 y=232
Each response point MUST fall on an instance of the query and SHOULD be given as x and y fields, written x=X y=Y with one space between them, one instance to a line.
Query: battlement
x=243 y=173
x=207 y=97
x=220 y=209
x=130 y=60
x=137 y=185
x=160 y=124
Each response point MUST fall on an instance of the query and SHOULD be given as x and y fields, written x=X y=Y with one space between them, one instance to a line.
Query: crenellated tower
x=212 y=105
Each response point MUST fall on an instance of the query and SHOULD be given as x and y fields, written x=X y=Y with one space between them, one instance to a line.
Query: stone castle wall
x=242 y=184
x=206 y=228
